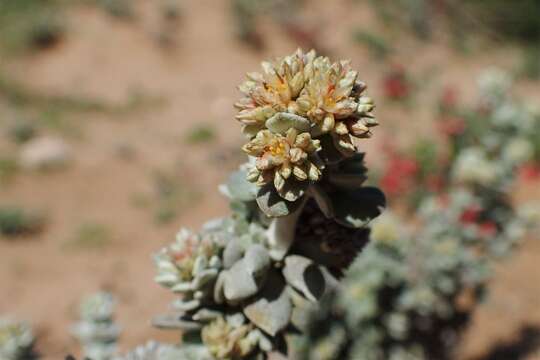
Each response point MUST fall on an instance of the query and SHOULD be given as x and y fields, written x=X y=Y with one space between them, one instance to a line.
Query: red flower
x=529 y=172
x=488 y=228
x=470 y=215
x=400 y=175
x=395 y=84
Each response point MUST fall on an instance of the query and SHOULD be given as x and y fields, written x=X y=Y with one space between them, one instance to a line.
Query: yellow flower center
x=277 y=148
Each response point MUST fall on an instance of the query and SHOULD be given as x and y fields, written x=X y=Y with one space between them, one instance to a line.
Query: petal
x=328 y=122
x=279 y=181
x=303 y=141
x=358 y=129
x=297 y=155
x=341 y=128
x=285 y=170
x=299 y=173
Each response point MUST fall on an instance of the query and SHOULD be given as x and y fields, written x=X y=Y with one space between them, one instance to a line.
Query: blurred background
x=117 y=126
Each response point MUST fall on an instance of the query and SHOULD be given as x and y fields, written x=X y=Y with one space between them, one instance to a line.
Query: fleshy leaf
x=305 y=276
x=246 y=276
x=238 y=283
x=281 y=234
x=293 y=189
x=273 y=205
x=356 y=208
x=232 y=253
x=333 y=245
x=350 y=173
x=322 y=199
x=175 y=322
x=329 y=153
x=271 y=311
x=239 y=188
x=281 y=122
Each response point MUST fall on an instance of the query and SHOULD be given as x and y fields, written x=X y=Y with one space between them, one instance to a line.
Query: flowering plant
x=300 y=212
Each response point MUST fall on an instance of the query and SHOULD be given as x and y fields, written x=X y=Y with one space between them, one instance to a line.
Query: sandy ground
x=43 y=280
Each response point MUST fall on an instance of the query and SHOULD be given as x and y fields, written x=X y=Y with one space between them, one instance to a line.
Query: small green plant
x=30 y=24
x=90 y=236
x=200 y=134
x=15 y=221
x=22 y=131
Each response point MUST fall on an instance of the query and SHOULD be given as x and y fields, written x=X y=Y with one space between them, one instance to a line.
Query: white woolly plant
x=500 y=135
x=96 y=330
x=16 y=340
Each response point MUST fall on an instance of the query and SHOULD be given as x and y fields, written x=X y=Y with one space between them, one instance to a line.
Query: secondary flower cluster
x=232 y=290
x=293 y=103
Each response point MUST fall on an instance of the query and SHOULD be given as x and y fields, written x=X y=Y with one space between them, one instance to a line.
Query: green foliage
x=426 y=155
x=530 y=66
x=200 y=134
x=30 y=24
x=515 y=21
x=22 y=131
x=518 y=20
x=90 y=236
x=15 y=221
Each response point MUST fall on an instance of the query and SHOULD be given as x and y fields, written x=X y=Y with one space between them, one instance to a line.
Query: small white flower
x=473 y=166
x=517 y=151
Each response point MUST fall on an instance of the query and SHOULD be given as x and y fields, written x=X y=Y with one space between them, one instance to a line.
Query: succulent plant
x=96 y=329
x=16 y=340
x=300 y=213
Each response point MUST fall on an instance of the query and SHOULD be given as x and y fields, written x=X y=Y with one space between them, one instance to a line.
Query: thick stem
x=281 y=232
